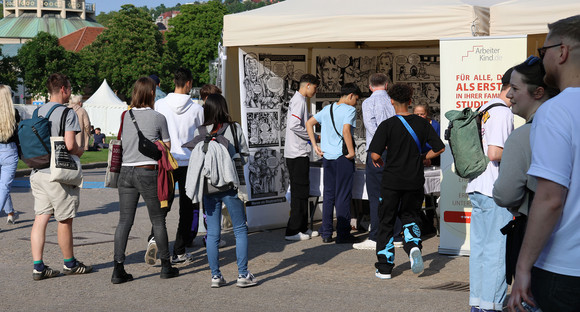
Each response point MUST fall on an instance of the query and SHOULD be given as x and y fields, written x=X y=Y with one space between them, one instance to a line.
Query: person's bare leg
x=65 y=238
x=37 y=236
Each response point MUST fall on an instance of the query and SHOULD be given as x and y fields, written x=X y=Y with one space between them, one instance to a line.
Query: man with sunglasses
x=547 y=266
x=487 y=283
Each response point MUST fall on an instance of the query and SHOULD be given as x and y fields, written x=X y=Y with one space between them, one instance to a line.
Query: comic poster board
x=471 y=71
x=268 y=80
x=417 y=67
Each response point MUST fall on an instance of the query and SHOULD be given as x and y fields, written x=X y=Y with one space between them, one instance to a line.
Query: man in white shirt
x=547 y=266
x=296 y=151
x=183 y=117
x=487 y=282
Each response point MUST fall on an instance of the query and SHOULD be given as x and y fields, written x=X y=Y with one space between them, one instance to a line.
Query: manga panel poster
x=420 y=69
x=268 y=80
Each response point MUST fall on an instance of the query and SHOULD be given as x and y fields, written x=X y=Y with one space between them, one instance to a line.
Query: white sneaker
x=381 y=275
x=247 y=280
x=416 y=260
x=183 y=258
x=368 y=244
x=217 y=281
x=11 y=218
x=311 y=233
x=151 y=253
x=297 y=237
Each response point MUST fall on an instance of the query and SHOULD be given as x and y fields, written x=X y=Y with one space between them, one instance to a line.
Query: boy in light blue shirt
x=337 y=121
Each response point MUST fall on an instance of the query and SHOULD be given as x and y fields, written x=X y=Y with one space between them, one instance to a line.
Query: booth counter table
x=432 y=186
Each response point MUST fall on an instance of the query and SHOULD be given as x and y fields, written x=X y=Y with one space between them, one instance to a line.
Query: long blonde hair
x=7 y=117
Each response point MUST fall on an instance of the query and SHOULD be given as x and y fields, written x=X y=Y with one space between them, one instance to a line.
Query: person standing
x=296 y=151
x=514 y=189
x=376 y=109
x=82 y=137
x=159 y=94
x=138 y=177
x=547 y=270
x=183 y=117
x=54 y=198
x=403 y=179
x=9 y=119
x=337 y=121
x=487 y=282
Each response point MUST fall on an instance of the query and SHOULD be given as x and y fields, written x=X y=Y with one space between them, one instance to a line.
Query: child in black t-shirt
x=402 y=185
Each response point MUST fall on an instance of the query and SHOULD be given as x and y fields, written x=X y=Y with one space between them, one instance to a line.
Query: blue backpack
x=34 y=137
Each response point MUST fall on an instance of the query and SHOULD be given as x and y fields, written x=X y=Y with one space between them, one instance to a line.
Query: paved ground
x=294 y=276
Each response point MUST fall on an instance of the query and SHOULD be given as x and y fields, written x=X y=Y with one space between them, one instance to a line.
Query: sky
x=115 y=5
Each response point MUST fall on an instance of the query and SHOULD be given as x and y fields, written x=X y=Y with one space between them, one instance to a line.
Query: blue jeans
x=213 y=210
x=338 y=176
x=487 y=257
x=8 y=164
x=135 y=182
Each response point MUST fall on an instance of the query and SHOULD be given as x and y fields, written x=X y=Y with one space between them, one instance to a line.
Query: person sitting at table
x=99 y=140
x=403 y=179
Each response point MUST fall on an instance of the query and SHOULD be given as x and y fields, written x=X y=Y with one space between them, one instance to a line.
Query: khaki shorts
x=54 y=198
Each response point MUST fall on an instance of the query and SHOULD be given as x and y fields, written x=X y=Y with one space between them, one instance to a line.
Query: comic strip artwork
x=265 y=174
x=269 y=78
x=263 y=129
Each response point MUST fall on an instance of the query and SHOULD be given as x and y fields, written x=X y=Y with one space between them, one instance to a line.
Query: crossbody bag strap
x=413 y=134
x=333 y=124
x=134 y=121
x=121 y=126
x=63 y=121
x=235 y=135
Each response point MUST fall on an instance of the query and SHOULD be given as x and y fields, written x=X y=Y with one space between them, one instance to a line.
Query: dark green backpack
x=464 y=136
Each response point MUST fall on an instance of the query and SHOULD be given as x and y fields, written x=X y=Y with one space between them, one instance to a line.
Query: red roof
x=81 y=38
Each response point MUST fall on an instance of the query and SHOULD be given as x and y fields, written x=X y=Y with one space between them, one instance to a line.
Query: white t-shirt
x=555 y=145
x=496 y=126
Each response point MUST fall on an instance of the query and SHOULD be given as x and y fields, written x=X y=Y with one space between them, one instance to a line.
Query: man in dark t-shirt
x=99 y=139
x=403 y=136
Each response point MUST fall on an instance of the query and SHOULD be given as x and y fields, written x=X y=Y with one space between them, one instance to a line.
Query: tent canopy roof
x=304 y=21
x=104 y=96
x=527 y=17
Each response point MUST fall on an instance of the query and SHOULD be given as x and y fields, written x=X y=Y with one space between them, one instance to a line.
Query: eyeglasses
x=531 y=60
x=542 y=50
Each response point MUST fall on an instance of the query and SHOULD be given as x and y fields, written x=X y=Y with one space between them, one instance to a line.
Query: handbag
x=115 y=159
x=146 y=147
x=64 y=167
x=344 y=147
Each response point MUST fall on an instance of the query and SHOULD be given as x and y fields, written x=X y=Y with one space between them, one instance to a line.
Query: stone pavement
x=293 y=276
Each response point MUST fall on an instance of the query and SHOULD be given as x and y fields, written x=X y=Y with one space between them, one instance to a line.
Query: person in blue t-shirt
x=99 y=140
x=337 y=121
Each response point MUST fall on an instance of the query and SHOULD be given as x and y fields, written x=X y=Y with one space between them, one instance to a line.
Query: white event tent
x=104 y=109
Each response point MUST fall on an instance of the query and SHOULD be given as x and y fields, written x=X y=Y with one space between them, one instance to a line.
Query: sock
x=39 y=265
x=70 y=263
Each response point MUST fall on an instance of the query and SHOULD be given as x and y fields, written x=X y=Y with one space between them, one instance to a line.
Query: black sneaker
x=46 y=273
x=80 y=268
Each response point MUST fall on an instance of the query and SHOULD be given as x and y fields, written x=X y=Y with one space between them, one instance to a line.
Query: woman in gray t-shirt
x=139 y=178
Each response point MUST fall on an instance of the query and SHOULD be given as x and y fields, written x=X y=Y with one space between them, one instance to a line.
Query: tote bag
x=64 y=167
x=115 y=159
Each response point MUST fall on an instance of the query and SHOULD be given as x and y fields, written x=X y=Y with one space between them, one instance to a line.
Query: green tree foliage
x=194 y=35
x=8 y=70
x=40 y=57
x=104 y=18
x=131 y=47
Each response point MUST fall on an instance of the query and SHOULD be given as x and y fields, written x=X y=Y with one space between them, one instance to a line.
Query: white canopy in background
x=528 y=17
x=104 y=109
x=313 y=21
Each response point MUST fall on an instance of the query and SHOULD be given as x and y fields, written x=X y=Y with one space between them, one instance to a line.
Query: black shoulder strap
x=235 y=135
x=333 y=124
x=490 y=107
x=134 y=121
x=63 y=121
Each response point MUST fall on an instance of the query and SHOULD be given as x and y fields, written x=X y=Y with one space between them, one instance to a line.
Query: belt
x=150 y=167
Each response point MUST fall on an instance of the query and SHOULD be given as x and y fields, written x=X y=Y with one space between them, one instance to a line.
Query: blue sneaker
x=416 y=260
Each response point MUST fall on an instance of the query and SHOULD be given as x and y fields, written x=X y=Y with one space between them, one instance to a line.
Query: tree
x=194 y=34
x=104 y=18
x=131 y=47
x=8 y=70
x=40 y=57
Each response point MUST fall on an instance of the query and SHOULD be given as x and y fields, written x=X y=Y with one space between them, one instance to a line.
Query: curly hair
x=401 y=93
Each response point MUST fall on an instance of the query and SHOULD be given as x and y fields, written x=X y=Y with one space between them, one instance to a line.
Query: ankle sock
x=39 y=265
x=70 y=263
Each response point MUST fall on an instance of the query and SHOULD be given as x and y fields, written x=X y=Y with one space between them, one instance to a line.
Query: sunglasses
x=542 y=50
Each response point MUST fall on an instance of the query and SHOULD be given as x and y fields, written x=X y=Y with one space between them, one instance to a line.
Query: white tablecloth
x=359 y=191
